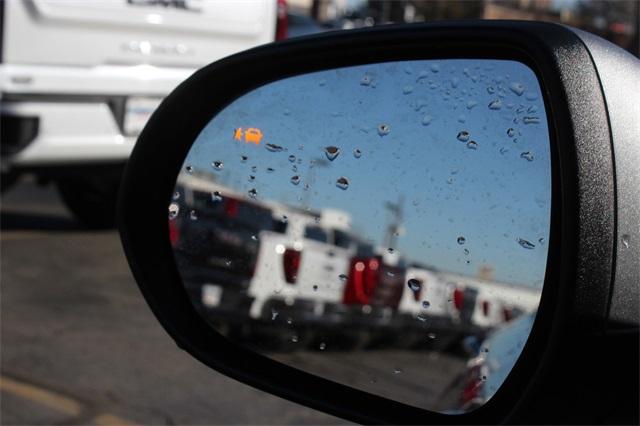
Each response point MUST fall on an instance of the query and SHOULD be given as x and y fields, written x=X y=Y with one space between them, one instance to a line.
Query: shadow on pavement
x=19 y=221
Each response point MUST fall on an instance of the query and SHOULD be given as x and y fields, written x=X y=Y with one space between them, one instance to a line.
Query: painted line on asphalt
x=57 y=402
x=20 y=235
x=110 y=420
x=41 y=396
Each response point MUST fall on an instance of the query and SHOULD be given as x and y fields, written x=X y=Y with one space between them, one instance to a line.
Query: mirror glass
x=383 y=226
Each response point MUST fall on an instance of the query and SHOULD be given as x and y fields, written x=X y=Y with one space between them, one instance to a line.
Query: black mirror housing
x=589 y=311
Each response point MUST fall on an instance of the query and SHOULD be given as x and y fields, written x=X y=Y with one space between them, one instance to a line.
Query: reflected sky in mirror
x=462 y=146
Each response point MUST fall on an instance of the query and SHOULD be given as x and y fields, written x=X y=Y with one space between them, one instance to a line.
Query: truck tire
x=92 y=200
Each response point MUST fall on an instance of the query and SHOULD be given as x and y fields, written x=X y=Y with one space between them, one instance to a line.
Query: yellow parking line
x=57 y=402
x=110 y=420
x=41 y=396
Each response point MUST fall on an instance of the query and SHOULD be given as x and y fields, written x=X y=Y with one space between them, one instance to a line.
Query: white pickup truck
x=79 y=79
x=452 y=306
x=304 y=269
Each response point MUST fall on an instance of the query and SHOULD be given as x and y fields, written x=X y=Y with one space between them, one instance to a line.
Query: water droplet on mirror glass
x=434 y=68
x=471 y=104
x=295 y=179
x=626 y=240
x=461 y=240
x=342 y=183
x=511 y=132
x=463 y=136
x=390 y=250
x=254 y=237
x=495 y=104
x=431 y=336
x=531 y=96
x=390 y=274
x=472 y=145
x=414 y=284
x=252 y=178
x=322 y=346
x=217 y=165
x=530 y=120
x=193 y=215
x=383 y=129
x=254 y=168
x=274 y=314
x=342 y=277
x=176 y=195
x=407 y=90
x=252 y=193
x=287 y=112
x=294 y=338
x=357 y=153
x=422 y=318
x=466 y=252
x=174 y=209
x=525 y=244
x=425 y=304
x=426 y=120
x=216 y=197
x=289 y=321
x=517 y=88
x=292 y=158
x=491 y=90
x=284 y=219
x=273 y=147
x=528 y=155
x=315 y=288
x=541 y=240
x=331 y=152
x=366 y=80
x=189 y=169
x=270 y=169
x=397 y=370
x=244 y=158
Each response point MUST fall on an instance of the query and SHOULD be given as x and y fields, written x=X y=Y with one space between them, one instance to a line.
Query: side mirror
x=411 y=224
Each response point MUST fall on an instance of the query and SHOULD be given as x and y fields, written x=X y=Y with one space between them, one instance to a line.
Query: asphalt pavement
x=80 y=346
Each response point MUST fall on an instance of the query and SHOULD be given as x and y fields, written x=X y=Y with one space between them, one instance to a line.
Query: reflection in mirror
x=382 y=226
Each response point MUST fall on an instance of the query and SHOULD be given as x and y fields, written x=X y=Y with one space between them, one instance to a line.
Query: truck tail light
x=291 y=263
x=174 y=233
x=507 y=313
x=231 y=207
x=362 y=281
x=472 y=386
x=458 y=298
x=485 y=308
x=417 y=294
x=282 y=22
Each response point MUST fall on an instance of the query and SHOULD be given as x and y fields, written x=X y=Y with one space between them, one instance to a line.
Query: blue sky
x=491 y=195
